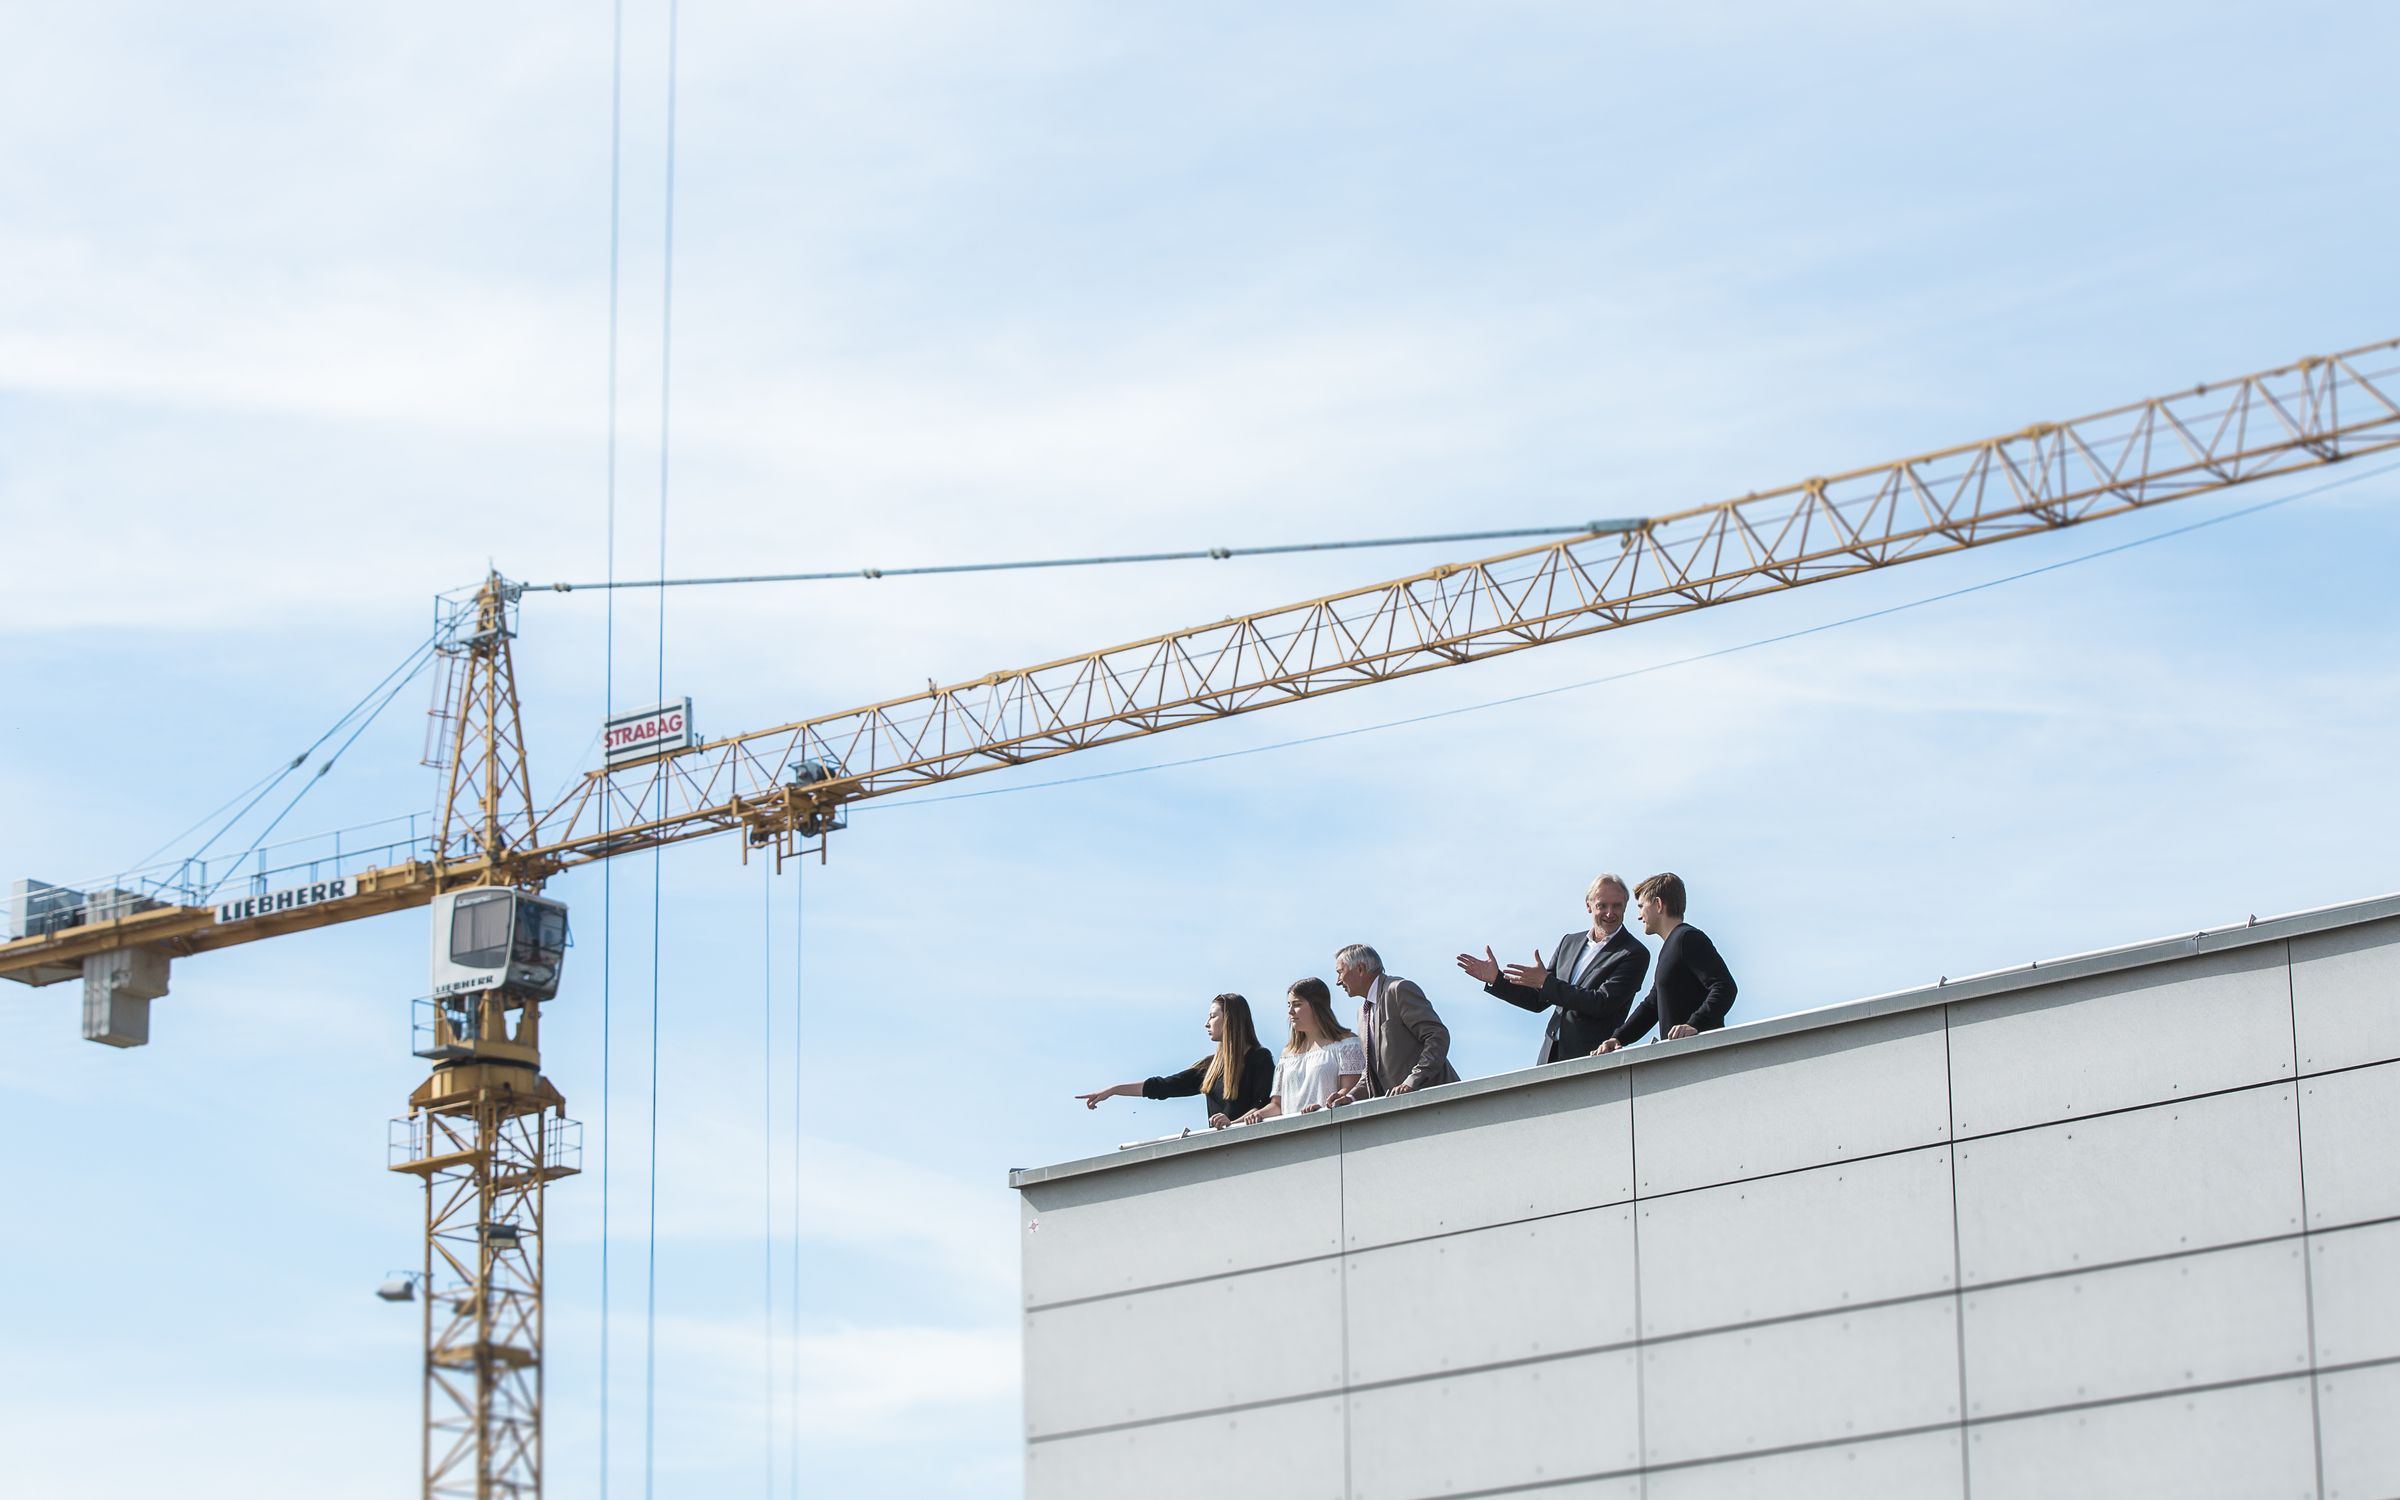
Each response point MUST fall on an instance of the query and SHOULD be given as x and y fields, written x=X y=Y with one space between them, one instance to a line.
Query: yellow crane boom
x=487 y=1134
x=791 y=781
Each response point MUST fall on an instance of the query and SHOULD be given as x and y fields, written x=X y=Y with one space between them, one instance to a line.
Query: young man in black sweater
x=1693 y=988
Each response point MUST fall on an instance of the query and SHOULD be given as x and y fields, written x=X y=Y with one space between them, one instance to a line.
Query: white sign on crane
x=645 y=732
x=290 y=898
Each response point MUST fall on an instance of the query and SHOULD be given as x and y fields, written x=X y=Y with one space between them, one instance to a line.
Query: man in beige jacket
x=1408 y=1047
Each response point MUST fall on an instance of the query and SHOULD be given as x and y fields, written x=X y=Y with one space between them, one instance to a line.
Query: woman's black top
x=1258 y=1085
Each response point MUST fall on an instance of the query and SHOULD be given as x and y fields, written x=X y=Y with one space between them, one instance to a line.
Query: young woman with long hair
x=1236 y=1078
x=1323 y=1058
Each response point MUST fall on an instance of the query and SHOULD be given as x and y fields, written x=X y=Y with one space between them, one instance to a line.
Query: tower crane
x=486 y=1132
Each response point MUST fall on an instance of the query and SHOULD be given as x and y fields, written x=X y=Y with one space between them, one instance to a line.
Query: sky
x=306 y=316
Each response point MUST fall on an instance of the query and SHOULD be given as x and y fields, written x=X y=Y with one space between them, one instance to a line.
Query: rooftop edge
x=1943 y=991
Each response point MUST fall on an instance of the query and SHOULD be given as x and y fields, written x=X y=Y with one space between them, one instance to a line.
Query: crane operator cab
x=496 y=949
x=498 y=938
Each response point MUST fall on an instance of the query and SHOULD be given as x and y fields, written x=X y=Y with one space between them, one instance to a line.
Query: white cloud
x=369 y=345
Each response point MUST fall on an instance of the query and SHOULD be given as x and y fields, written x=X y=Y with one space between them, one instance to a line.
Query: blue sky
x=305 y=318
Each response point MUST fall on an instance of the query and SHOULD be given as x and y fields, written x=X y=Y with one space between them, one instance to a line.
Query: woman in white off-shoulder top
x=1323 y=1057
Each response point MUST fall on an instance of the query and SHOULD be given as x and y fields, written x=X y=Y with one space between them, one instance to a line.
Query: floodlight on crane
x=400 y=1286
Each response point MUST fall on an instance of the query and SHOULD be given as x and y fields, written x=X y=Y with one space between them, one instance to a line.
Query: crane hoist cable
x=666 y=393
x=608 y=689
x=766 y=1162
x=799 y=996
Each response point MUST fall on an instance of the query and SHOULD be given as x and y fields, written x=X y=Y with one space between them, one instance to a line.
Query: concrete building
x=2125 y=1224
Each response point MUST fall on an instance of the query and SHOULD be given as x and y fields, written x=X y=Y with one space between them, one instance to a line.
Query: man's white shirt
x=1591 y=956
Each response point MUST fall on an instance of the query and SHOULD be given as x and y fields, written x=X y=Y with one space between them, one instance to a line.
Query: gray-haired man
x=1588 y=985
x=1408 y=1047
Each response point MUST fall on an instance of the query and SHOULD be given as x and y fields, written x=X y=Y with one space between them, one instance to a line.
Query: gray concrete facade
x=2124 y=1225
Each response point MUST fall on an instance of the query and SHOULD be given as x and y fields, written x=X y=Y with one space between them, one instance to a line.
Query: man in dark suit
x=1589 y=983
x=1694 y=989
x=1408 y=1047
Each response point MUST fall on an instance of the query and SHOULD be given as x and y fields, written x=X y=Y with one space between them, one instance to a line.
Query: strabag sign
x=645 y=732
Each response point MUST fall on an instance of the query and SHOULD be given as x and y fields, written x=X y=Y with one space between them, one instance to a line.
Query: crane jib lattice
x=2043 y=478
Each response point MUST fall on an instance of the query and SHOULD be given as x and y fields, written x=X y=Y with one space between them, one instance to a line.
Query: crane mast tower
x=486 y=1132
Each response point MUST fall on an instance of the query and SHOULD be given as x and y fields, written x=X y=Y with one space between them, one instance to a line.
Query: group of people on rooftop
x=1400 y=1045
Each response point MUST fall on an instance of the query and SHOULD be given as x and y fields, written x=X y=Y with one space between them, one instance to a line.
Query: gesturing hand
x=1484 y=970
x=1533 y=975
x=1092 y=1101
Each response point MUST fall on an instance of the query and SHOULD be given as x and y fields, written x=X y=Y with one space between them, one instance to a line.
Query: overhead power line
x=1202 y=554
